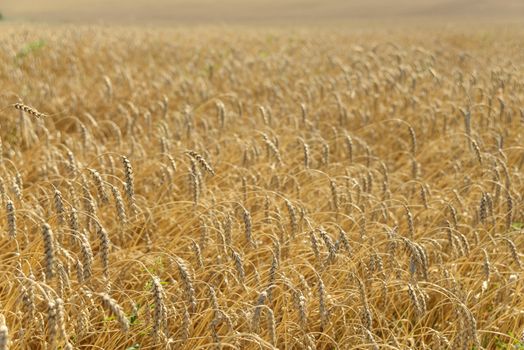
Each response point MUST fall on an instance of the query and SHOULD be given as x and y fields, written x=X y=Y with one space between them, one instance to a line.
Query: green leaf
x=30 y=48
x=134 y=317
x=134 y=347
x=148 y=285
x=518 y=225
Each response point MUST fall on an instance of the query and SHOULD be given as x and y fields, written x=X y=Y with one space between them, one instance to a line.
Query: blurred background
x=249 y=11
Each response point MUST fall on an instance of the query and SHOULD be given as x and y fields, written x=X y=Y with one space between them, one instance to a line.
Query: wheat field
x=261 y=188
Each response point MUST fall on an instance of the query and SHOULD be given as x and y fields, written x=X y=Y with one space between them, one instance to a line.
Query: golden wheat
x=278 y=188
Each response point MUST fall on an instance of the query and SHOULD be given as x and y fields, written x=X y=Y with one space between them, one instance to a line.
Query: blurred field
x=262 y=187
x=287 y=11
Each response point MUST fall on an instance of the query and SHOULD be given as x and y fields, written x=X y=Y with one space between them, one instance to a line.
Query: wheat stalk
x=29 y=110
x=115 y=309
x=11 y=219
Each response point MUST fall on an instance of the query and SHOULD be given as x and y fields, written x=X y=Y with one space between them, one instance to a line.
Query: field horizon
x=259 y=11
